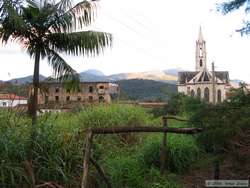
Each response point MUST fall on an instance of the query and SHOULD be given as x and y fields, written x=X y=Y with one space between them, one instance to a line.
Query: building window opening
x=219 y=96
x=200 y=62
x=57 y=90
x=192 y=93
x=90 y=89
x=68 y=98
x=206 y=94
x=4 y=104
x=199 y=93
x=200 y=52
x=79 y=98
x=101 y=87
x=90 y=98
x=46 y=99
x=101 y=99
x=57 y=98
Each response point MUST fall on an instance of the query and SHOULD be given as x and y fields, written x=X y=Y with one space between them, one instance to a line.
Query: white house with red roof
x=12 y=100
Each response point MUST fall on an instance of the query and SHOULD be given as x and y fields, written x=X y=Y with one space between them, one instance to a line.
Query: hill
x=93 y=75
x=149 y=75
x=146 y=90
x=25 y=80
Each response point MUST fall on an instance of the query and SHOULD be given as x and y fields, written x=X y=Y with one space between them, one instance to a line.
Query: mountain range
x=92 y=75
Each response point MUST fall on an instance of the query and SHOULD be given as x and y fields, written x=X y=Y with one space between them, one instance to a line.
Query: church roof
x=184 y=77
x=200 y=35
x=202 y=76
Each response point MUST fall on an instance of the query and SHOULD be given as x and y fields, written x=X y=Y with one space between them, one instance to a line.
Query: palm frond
x=232 y=5
x=64 y=5
x=68 y=19
x=63 y=72
x=85 y=11
x=59 y=65
x=34 y=3
x=11 y=22
x=89 y=43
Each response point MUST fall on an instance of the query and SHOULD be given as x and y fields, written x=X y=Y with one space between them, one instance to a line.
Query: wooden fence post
x=87 y=155
x=164 y=146
x=101 y=172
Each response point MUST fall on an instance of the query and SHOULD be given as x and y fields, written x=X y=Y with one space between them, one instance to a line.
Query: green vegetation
x=46 y=29
x=129 y=160
x=225 y=125
x=20 y=90
x=146 y=90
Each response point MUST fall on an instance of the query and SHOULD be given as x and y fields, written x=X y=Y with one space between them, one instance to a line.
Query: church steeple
x=200 y=35
x=201 y=54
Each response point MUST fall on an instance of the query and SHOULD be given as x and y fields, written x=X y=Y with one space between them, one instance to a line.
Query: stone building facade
x=56 y=96
x=199 y=83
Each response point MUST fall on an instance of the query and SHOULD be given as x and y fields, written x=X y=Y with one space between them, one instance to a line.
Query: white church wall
x=202 y=86
x=182 y=89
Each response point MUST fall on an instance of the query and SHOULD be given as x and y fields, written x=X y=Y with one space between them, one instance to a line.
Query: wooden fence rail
x=116 y=130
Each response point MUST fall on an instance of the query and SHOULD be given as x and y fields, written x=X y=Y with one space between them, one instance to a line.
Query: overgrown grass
x=130 y=160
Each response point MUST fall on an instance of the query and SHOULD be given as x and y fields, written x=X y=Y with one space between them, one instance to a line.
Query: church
x=211 y=86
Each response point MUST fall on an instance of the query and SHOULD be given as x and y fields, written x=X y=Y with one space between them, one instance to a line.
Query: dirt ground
x=235 y=166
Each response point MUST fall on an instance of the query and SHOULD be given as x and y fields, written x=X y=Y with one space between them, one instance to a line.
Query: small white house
x=12 y=100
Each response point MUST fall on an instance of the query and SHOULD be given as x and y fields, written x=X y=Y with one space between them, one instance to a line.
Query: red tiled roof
x=11 y=96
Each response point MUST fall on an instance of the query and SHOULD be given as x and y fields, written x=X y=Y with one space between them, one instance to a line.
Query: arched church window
x=192 y=93
x=199 y=93
x=200 y=52
x=206 y=94
x=200 y=62
x=219 y=96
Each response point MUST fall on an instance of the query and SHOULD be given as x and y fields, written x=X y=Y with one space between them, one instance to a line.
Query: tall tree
x=232 y=5
x=45 y=29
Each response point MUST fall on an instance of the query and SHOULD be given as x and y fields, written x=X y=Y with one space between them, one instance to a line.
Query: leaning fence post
x=164 y=146
x=87 y=154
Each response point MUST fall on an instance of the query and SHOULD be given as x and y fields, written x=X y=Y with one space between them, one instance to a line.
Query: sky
x=153 y=35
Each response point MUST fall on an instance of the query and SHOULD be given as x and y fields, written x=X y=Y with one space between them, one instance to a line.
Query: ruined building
x=54 y=96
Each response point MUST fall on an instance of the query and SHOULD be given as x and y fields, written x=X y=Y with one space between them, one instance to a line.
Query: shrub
x=182 y=150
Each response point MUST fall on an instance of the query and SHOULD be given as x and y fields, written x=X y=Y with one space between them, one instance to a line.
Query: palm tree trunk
x=34 y=104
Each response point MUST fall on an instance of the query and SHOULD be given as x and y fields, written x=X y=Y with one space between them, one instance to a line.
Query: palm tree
x=45 y=29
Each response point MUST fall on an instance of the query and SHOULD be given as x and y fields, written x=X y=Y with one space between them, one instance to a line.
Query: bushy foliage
x=224 y=121
x=184 y=105
x=182 y=150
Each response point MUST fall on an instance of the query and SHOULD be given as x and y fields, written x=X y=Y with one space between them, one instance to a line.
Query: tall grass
x=130 y=160
x=58 y=151
x=182 y=151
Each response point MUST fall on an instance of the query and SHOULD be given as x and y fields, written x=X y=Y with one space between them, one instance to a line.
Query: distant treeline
x=146 y=90
x=21 y=90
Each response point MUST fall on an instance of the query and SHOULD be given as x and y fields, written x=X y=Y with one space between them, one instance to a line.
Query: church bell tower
x=201 y=55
